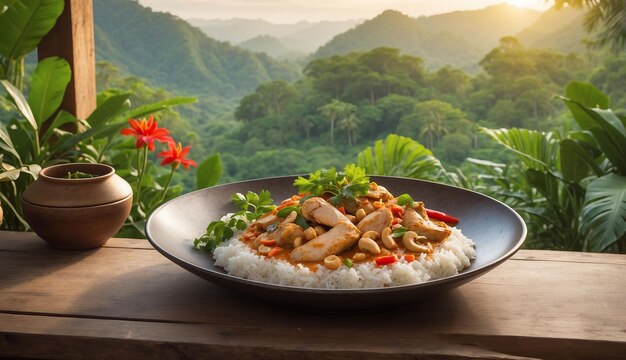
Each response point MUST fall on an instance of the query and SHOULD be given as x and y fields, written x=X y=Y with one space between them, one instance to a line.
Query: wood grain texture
x=126 y=300
x=72 y=38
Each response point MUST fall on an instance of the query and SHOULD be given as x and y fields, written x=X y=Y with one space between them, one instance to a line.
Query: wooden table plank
x=539 y=304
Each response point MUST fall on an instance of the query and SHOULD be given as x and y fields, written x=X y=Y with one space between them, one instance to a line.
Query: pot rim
x=53 y=173
x=77 y=207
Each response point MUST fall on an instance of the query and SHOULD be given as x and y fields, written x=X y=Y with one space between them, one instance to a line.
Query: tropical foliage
x=38 y=133
x=570 y=186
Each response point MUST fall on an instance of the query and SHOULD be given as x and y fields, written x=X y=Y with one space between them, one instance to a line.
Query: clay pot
x=77 y=213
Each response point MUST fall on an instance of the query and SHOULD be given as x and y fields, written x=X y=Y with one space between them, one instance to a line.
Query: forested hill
x=459 y=38
x=483 y=27
x=174 y=55
x=560 y=30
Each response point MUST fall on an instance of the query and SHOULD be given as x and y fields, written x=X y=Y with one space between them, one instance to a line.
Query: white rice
x=451 y=257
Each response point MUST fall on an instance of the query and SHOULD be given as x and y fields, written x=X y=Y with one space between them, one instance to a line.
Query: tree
x=350 y=123
x=250 y=108
x=335 y=110
x=431 y=120
x=451 y=81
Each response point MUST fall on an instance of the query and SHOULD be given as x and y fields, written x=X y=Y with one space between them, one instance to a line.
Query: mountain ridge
x=170 y=53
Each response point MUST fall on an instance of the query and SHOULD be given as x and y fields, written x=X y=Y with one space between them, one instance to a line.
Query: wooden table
x=127 y=301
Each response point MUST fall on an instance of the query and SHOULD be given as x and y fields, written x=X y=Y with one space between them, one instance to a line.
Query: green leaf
x=537 y=150
x=576 y=163
x=62 y=118
x=399 y=232
x=148 y=109
x=50 y=79
x=284 y=212
x=405 y=199
x=399 y=156
x=20 y=102
x=25 y=23
x=110 y=108
x=209 y=171
x=604 y=211
x=588 y=96
x=6 y=144
x=610 y=133
x=239 y=200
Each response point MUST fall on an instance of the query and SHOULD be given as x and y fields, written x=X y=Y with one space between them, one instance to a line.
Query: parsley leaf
x=251 y=206
x=346 y=185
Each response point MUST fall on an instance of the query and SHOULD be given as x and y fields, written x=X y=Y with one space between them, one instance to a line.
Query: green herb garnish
x=300 y=220
x=399 y=231
x=405 y=199
x=251 y=206
x=347 y=262
x=346 y=185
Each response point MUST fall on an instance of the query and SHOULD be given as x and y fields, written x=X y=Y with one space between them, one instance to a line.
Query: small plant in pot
x=77 y=206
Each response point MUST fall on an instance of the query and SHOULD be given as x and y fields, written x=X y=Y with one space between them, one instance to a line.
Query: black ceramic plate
x=497 y=230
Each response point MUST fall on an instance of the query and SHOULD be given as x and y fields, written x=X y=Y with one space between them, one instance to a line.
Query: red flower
x=146 y=132
x=176 y=155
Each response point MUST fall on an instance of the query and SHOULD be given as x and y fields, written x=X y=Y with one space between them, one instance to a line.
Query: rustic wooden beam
x=72 y=38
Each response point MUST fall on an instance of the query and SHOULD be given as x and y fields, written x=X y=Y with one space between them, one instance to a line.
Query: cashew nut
x=369 y=245
x=359 y=256
x=290 y=218
x=370 y=234
x=297 y=242
x=319 y=230
x=409 y=242
x=264 y=249
x=360 y=214
x=388 y=241
x=310 y=234
x=332 y=262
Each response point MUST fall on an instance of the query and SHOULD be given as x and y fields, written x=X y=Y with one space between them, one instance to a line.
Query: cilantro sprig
x=341 y=185
x=251 y=206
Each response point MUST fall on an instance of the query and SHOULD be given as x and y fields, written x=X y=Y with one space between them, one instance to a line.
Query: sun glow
x=531 y=4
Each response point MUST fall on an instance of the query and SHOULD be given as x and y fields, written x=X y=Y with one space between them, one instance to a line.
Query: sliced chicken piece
x=421 y=210
x=320 y=211
x=380 y=193
x=266 y=220
x=376 y=221
x=333 y=242
x=433 y=232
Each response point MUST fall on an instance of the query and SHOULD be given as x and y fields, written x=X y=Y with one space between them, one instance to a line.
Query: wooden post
x=72 y=39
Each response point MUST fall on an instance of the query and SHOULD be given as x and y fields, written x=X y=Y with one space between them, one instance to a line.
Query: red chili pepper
x=385 y=260
x=397 y=211
x=438 y=215
x=342 y=210
x=409 y=257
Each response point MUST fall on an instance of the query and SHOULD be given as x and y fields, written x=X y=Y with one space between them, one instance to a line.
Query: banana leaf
x=25 y=23
x=49 y=82
x=604 y=211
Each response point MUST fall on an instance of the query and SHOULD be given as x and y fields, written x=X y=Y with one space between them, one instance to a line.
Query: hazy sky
x=289 y=11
